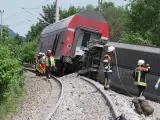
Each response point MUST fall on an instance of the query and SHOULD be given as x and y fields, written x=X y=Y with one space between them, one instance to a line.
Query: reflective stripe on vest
x=138 y=79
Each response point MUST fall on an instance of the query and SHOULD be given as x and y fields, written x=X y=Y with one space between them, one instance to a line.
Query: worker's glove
x=156 y=86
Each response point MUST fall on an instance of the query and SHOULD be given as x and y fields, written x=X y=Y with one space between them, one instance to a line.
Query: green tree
x=11 y=82
x=18 y=40
x=48 y=16
x=35 y=31
x=144 y=18
x=116 y=18
x=90 y=7
x=5 y=34
x=71 y=11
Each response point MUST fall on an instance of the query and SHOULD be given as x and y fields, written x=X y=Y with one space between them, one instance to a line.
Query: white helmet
x=141 y=62
x=40 y=53
x=111 y=49
x=43 y=53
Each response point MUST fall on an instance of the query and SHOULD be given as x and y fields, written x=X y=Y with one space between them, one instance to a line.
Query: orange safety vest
x=36 y=59
x=108 y=57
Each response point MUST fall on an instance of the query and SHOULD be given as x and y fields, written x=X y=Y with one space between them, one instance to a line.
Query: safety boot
x=106 y=87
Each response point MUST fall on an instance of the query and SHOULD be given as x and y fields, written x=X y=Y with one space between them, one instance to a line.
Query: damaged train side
x=127 y=56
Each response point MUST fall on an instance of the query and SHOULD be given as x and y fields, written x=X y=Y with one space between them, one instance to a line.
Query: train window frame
x=84 y=43
x=55 y=44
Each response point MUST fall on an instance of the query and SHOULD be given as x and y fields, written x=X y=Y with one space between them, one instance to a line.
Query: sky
x=20 y=21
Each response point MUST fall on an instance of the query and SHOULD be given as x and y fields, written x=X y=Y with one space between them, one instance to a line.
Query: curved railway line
x=90 y=93
x=83 y=98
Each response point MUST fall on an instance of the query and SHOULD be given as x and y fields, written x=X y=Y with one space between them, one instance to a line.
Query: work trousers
x=48 y=71
x=107 y=81
x=141 y=90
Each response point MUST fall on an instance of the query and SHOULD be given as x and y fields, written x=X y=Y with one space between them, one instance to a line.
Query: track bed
x=81 y=101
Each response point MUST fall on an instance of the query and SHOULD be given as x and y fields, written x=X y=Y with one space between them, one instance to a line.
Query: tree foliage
x=71 y=11
x=11 y=81
x=35 y=31
x=48 y=15
x=116 y=18
x=144 y=18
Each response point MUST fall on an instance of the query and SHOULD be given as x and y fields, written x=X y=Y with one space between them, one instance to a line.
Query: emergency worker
x=108 y=66
x=139 y=76
x=50 y=62
x=43 y=63
x=37 y=62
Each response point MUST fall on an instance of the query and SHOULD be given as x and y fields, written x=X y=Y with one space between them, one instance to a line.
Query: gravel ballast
x=122 y=105
x=39 y=100
x=81 y=101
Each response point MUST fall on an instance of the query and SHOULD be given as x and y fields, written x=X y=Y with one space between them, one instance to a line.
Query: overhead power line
x=32 y=8
x=22 y=22
x=17 y=13
x=20 y=11
x=32 y=14
x=42 y=4
x=29 y=12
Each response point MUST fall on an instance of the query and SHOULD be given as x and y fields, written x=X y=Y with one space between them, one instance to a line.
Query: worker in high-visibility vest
x=50 y=62
x=108 y=66
x=139 y=76
x=43 y=63
x=37 y=62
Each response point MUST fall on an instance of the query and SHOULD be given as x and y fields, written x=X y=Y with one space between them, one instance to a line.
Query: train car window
x=85 y=39
x=55 y=44
x=43 y=44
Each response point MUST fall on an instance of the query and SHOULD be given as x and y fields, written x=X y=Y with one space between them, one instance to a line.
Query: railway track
x=73 y=87
x=55 y=96
x=83 y=98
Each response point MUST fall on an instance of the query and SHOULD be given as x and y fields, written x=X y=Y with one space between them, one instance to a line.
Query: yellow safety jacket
x=51 y=60
x=139 y=75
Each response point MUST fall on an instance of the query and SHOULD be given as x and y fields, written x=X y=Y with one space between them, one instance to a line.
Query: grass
x=10 y=106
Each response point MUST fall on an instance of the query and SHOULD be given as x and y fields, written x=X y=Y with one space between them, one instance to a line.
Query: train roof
x=94 y=15
x=134 y=47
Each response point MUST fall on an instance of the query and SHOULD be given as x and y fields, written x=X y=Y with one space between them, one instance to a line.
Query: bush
x=28 y=51
x=135 y=38
x=11 y=81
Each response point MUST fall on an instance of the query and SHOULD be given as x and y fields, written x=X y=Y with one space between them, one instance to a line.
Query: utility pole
x=1 y=12
x=57 y=10
x=100 y=5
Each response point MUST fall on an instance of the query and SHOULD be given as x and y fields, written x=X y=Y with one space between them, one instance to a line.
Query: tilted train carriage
x=127 y=57
x=69 y=37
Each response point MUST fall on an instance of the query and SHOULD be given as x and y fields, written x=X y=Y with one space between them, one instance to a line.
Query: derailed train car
x=68 y=38
x=127 y=56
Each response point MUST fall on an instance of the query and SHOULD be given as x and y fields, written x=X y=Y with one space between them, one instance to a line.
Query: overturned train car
x=127 y=56
x=68 y=38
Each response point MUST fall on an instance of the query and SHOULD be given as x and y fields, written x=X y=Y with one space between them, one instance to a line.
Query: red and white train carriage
x=69 y=37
